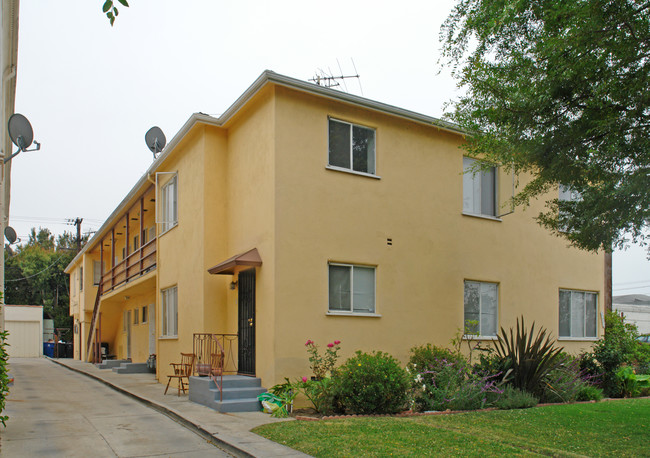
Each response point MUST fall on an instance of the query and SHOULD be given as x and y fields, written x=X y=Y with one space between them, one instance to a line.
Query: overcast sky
x=91 y=91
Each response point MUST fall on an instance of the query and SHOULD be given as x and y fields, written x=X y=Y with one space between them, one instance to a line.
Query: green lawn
x=608 y=428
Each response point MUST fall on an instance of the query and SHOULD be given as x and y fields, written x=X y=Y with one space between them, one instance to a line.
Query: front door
x=128 y=334
x=152 y=328
x=246 y=326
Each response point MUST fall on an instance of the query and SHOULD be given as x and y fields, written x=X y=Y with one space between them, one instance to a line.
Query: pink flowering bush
x=322 y=366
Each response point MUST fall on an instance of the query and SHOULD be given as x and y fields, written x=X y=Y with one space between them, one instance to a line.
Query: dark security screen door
x=246 y=327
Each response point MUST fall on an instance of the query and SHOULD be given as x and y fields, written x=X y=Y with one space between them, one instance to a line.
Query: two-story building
x=303 y=212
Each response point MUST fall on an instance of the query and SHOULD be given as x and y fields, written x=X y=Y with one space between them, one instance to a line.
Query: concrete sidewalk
x=230 y=430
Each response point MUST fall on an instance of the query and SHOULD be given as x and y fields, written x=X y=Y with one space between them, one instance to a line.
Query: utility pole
x=77 y=222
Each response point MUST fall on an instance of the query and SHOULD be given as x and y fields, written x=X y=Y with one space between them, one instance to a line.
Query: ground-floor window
x=578 y=313
x=351 y=288
x=481 y=306
x=169 y=312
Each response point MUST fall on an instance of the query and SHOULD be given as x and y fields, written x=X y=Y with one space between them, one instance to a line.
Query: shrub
x=323 y=365
x=590 y=393
x=431 y=358
x=453 y=386
x=567 y=382
x=616 y=348
x=319 y=393
x=4 y=375
x=530 y=359
x=513 y=398
x=370 y=383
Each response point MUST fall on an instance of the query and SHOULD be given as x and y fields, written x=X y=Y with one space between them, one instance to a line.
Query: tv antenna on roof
x=155 y=140
x=328 y=79
x=21 y=134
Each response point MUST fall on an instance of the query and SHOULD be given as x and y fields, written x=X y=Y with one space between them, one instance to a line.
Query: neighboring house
x=25 y=326
x=636 y=308
x=305 y=213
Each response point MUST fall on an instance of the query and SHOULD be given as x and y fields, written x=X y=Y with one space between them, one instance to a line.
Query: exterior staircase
x=239 y=393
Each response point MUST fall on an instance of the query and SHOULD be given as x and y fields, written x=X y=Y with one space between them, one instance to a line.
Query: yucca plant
x=528 y=357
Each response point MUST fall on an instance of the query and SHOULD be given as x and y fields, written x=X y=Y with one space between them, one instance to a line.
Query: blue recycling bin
x=48 y=349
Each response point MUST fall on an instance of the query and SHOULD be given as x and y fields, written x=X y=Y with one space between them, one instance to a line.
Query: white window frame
x=169 y=312
x=567 y=194
x=352 y=310
x=583 y=334
x=97 y=273
x=474 y=178
x=145 y=314
x=168 y=199
x=351 y=169
x=481 y=335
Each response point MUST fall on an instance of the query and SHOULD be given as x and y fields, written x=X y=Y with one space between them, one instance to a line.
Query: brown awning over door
x=233 y=265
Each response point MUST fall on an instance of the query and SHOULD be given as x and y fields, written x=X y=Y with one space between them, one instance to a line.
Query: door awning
x=233 y=265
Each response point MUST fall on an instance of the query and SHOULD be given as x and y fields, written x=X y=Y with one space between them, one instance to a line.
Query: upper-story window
x=169 y=204
x=351 y=147
x=97 y=272
x=479 y=189
x=81 y=278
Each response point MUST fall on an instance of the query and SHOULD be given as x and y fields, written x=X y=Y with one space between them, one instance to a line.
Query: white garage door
x=25 y=339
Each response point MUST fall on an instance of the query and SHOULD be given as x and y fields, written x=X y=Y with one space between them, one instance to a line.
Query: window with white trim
x=81 y=278
x=479 y=189
x=97 y=272
x=481 y=308
x=169 y=204
x=351 y=147
x=567 y=194
x=145 y=315
x=169 y=311
x=351 y=288
x=578 y=313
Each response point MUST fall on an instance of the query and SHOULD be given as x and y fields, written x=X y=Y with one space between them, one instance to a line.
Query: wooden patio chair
x=216 y=363
x=182 y=372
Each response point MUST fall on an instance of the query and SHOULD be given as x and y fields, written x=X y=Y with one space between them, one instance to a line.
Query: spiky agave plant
x=528 y=359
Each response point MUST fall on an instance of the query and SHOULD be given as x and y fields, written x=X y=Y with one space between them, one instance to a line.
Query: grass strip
x=612 y=428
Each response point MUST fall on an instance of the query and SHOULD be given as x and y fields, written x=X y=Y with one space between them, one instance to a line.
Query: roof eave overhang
x=237 y=263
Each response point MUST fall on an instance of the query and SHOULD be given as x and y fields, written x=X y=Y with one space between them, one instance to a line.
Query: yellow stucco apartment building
x=304 y=213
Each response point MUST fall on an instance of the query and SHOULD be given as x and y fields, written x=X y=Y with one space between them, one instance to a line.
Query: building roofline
x=265 y=78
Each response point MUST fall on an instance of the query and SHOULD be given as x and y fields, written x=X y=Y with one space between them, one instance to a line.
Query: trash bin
x=48 y=349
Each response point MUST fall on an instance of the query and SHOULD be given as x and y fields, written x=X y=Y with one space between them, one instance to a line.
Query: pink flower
x=330 y=345
x=309 y=342
x=336 y=342
x=304 y=379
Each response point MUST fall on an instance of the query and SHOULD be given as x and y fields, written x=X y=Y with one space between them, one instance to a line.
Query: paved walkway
x=230 y=431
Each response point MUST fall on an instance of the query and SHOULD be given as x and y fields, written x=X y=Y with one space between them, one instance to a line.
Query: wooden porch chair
x=182 y=372
x=216 y=363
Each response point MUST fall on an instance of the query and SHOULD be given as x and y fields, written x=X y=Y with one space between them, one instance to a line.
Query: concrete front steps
x=132 y=368
x=239 y=393
x=111 y=363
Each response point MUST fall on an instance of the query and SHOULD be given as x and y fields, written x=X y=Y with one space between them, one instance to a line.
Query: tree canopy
x=560 y=90
x=34 y=274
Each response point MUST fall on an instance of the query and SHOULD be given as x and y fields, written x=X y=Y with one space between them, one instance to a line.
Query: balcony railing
x=137 y=263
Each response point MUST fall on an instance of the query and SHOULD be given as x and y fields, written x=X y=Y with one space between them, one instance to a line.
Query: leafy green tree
x=559 y=89
x=34 y=274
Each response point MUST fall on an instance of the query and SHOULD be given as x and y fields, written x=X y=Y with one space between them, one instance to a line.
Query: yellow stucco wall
x=261 y=182
x=325 y=215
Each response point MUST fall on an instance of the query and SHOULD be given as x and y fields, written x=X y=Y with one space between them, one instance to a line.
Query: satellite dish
x=10 y=234
x=20 y=131
x=155 y=140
